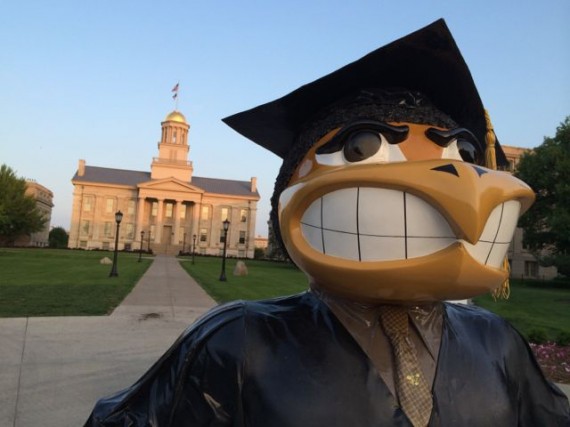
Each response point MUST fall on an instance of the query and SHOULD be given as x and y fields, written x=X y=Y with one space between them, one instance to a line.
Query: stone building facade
x=175 y=210
x=44 y=203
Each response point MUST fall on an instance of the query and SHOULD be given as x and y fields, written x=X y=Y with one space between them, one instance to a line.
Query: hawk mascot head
x=389 y=192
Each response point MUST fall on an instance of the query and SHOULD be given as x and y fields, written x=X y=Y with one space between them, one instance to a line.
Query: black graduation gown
x=290 y=362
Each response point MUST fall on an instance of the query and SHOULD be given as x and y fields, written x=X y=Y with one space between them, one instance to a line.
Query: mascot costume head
x=388 y=191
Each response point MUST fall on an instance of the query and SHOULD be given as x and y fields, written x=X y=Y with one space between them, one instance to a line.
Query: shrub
x=563 y=338
x=58 y=238
x=258 y=253
x=537 y=336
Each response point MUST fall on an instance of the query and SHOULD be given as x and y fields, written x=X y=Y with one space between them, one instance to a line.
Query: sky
x=92 y=79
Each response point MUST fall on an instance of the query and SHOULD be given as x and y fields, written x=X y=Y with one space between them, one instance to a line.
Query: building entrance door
x=167 y=234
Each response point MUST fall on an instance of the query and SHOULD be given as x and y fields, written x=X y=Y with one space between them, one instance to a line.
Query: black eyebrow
x=444 y=137
x=393 y=134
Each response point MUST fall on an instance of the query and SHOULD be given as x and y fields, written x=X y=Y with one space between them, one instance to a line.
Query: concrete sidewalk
x=53 y=369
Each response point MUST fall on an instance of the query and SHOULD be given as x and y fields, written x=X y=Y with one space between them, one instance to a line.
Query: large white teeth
x=373 y=224
x=497 y=234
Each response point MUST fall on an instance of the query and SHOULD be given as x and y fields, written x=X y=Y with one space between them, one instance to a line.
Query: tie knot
x=394 y=321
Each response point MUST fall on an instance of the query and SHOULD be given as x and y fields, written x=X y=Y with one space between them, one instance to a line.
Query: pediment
x=169 y=185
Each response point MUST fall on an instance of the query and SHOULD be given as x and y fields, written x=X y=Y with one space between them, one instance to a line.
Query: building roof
x=112 y=176
x=131 y=178
x=175 y=116
x=224 y=186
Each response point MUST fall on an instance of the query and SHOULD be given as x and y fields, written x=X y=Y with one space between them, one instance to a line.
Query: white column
x=251 y=215
x=196 y=222
x=96 y=220
x=176 y=213
x=159 y=224
x=140 y=222
x=140 y=218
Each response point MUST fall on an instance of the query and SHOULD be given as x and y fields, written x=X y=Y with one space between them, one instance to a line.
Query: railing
x=172 y=162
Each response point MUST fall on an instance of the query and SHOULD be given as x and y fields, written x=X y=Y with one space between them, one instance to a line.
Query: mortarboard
x=427 y=61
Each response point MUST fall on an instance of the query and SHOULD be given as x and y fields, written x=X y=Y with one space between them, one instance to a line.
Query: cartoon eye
x=363 y=140
x=468 y=152
x=361 y=145
x=457 y=143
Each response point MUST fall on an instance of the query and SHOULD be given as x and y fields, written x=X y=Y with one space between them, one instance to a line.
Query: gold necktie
x=411 y=387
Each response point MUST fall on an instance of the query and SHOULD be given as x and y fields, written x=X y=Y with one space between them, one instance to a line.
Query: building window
x=243 y=215
x=222 y=235
x=127 y=247
x=88 y=204
x=84 y=227
x=205 y=212
x=531 y=268
x=174 y=137
x=168 y=212
x=203 y=235
x=154 y=210
x=131 y=207
x=225 y=213
x=242 y=237
x=182 y=211
x=108 y=229
x=130 y=230
x=109 y=206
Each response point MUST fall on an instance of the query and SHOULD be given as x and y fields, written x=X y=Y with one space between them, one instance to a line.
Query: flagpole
x=175 y=96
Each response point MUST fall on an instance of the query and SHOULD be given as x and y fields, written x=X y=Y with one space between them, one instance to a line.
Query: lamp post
x=118 y=219
x=183 y=243
x=141 y=248
x=226 y=224
x=193 y=247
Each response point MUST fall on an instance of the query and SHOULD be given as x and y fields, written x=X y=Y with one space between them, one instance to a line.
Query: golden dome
x=175 y=116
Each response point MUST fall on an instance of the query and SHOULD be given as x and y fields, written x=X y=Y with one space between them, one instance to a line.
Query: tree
x=18 y=212
x=547 y=224
x=274 y=250
x=258 y=253
x=58 y=238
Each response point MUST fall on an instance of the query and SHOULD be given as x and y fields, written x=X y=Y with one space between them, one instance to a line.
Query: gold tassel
x=504 y=290
x=490 y=139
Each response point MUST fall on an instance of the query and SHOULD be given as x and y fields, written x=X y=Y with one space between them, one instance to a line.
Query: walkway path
x=53 y=369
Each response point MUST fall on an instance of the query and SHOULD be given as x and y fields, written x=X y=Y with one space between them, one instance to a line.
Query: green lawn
x=265 y=279
x=51 y=282
x=533 y=308
x=529 y=308
x=44 y=282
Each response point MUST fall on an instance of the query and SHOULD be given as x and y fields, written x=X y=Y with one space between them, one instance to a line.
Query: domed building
x=168 y=207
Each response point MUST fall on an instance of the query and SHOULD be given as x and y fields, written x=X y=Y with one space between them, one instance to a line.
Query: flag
x=175 y=88
x=175 y=95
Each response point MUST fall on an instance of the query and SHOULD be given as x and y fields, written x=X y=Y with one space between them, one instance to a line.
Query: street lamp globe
x=118 y=217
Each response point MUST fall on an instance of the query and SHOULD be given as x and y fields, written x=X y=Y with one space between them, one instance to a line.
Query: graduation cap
x=426 y=61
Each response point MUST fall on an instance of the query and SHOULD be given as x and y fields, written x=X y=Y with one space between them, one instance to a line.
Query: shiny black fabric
x=290 y=362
